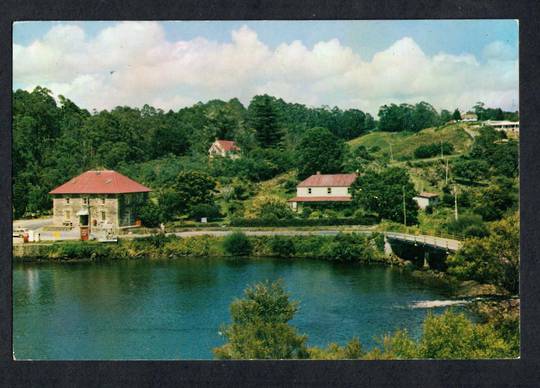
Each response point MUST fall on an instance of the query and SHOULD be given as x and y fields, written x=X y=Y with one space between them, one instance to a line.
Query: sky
x=350 y=64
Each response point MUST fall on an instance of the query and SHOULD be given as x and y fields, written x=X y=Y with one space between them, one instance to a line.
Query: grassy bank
x=341 y=247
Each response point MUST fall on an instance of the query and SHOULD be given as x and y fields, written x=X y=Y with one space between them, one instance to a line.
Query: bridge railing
x=419 y=232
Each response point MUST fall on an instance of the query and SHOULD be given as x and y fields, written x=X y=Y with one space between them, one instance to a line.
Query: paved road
x=33 y=224
x=220 y=233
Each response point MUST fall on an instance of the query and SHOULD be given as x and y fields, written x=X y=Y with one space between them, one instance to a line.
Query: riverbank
x=339 y=247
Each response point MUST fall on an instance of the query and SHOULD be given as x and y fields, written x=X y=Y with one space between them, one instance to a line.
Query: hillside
x=404 y=143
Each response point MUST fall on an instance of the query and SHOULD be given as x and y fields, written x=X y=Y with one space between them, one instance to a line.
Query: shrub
x=433 y=149
x=282 y=246
x=211 y=211
x=150 y=215
x=237 y=244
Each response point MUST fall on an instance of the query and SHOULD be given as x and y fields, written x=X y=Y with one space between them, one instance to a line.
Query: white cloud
x=132 y=63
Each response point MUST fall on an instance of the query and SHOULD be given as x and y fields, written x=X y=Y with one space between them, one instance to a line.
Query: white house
x=504 y=125
x=323 y=188
x=224 y=148
x=425 y=199
x=469 y=117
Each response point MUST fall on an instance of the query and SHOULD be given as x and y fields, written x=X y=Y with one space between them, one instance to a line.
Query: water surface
x=173 y=309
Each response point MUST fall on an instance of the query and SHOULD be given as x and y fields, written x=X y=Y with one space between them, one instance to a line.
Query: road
x=221 y=233
x=33 y=224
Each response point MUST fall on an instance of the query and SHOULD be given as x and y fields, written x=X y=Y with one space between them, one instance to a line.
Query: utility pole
x=455 y=203
x=442 y=151
x=404 y=209
x=446 y=173
x=391 y=153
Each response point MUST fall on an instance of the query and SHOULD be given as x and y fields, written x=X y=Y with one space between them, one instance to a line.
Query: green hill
x=404 y=143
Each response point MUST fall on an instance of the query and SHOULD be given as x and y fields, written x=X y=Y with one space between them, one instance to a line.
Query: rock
x=471 y=289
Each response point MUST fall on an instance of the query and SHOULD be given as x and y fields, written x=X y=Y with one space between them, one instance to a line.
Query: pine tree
x=264 y=120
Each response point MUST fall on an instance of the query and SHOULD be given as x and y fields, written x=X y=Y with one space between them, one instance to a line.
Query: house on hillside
x=425 y=199
x=469 y=117
x=224 y=148
x=510 y=127
x=323 y=188
x=98 y=200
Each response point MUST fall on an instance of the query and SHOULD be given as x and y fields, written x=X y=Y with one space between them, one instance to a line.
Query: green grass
x=404 y=143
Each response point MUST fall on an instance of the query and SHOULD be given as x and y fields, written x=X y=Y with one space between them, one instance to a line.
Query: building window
x=103 y=201
x=309 y=190
x=67 y=201
x=329 y=190
x=348 y=190
x=67 y=214
x=103 y=216
x=85 y=201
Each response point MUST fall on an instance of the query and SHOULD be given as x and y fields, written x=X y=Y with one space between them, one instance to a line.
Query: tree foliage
x=260 y=328
x=382 y=192
x=493 y=259
x=315 y=143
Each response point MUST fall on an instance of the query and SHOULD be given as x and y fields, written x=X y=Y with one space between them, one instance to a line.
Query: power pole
x=404 y=209
x=442 y=151
x=455 y=203
x=391 y=153
x=446 y=173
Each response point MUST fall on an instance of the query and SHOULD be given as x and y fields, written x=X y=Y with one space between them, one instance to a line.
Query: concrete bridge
x=443 y=243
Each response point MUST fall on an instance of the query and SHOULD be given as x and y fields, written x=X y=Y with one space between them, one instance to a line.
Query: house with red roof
x=323 y=188
x=98 y=200
x=224 y=148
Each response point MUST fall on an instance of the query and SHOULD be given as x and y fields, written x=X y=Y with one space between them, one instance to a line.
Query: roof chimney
x=318 y=173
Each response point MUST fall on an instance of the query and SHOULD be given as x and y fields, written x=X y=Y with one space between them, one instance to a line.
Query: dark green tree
x=383 y=192
x=260 y=326
x=319 y=150
x=193 y=188
x=456 y=115
x=264 y=119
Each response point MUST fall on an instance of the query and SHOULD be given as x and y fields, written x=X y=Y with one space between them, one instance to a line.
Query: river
x=173 y=309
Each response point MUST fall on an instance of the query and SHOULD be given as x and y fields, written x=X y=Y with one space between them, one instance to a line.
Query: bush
x=470 y=225
x=237 y=244
x=211 y=211
x=433 y=149
x=282 y=246
x=150 y=215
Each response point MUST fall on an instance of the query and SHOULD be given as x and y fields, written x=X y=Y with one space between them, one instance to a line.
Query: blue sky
x=480 y=54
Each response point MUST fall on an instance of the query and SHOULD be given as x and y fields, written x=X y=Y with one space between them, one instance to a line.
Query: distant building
x=425 y=199
x=323 y=188
x=504 y=125
x=469 y=117
x=98 y=200
x=224 y=148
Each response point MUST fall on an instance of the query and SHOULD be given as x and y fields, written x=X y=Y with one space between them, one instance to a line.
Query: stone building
x=323 y=188
x=99 y=200
x=425 y=199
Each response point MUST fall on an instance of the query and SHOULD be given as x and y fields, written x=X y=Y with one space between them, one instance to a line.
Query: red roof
x=228 y=145
x=321 y=199
x=329 y=180
x=100 y=182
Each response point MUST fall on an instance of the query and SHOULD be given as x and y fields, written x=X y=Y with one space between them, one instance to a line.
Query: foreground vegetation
x=260 y=329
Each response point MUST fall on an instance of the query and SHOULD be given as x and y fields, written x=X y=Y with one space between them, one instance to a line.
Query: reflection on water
x=170 y=309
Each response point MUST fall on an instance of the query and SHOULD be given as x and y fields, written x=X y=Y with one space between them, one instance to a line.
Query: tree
x=319 y=150
x=445 y=116
x=194 y=188
x=449 y=336
x=470 y=169
x=494 y=200
x=150 y=215
x=383 y=192
x=264 y=120
x=456 y=115
x=260 y=328
x=493 y=259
